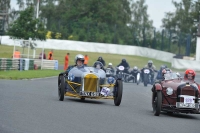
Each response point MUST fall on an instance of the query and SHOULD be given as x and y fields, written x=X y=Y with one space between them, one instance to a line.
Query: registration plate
x=91 y=94
x=185 y=105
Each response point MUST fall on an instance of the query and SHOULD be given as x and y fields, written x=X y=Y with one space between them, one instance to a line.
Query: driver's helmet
x=189 y=74
x=162 y=67
x=166 y=70
x=100 y=58
x=135 y=68
x=123 y=60
x=150 y=63
x=98 y=65
x=109 y=64
x=79 y=57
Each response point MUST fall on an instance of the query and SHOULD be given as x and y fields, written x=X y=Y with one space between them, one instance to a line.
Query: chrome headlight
x=110 y=80
x=169 y=91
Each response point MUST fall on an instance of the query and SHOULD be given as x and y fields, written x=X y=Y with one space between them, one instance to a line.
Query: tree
x=140 y=24
x=88 y=20
x=26 y=26
x=181 y=22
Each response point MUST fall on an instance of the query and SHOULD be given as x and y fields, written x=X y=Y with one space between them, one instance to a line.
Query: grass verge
x=30 y=74
x=115 y=59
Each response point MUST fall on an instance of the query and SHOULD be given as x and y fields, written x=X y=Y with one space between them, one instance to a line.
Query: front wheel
x=157 y=102
x=138 y=78
x=61 y=88
x=145 y=80
x=118 y=90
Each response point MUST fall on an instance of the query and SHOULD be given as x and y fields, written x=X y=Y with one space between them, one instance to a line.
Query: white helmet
x=135 y=68
x=79 y=57
x=110 y=64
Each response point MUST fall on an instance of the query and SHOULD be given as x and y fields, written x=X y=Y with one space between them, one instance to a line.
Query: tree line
x=123 y=22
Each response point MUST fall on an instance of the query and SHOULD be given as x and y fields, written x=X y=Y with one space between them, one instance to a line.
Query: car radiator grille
x=90 y=83
x=187 y=91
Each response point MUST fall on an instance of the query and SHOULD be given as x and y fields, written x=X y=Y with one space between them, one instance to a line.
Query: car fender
x=158 y=87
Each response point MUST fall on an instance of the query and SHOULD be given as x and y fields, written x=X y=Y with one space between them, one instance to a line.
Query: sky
x=156 y=9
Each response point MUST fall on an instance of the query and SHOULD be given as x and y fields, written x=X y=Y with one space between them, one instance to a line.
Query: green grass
x=30 y=74
x=6 y=52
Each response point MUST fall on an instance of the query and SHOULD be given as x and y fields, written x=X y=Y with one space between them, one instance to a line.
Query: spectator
x=66 y=61
x=86 y=58
x=44 y=55
x=50 y=55
x=17 y=54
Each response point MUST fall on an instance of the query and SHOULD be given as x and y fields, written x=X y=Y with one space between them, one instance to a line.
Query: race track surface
x=32 y=106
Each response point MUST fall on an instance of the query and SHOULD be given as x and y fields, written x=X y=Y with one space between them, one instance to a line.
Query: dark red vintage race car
x=174 y=95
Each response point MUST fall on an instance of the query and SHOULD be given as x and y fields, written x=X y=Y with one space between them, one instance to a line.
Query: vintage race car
x=89 y=82
x=174 y=95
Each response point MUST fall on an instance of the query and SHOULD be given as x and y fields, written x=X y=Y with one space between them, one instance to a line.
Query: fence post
x=162 y=43
x=170 y=38
x=188 y=42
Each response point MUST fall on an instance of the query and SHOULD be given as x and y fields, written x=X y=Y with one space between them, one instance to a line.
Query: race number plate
x=188 y=100
x=105 y=91
x=146 y=71
x=91 y=94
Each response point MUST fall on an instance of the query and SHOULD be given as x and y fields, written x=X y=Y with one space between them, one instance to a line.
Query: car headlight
x=169 y=91
x=110 y=80
x=70 y=77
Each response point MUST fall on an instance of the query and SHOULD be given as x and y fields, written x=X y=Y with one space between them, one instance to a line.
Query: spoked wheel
x=157 y=101
x=118 y=90
x=61 y=88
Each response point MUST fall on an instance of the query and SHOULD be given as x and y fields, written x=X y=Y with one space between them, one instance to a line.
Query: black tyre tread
x=118 y=97
x=158 y=104
x=62 y=88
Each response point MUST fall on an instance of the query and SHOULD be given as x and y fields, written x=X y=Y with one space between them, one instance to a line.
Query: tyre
x=118 y=92
x=157 y=102
x=145 y=80
x=82 y=99
x=138 y=78
x=61 y=88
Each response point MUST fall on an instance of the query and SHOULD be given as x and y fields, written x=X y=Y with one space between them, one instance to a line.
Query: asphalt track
x=32 y=106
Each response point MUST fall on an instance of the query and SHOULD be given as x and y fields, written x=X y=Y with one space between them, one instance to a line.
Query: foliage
x=26 y=26
x=120 y=22
x=182 y=21
x=48 y=35
x=52 y=35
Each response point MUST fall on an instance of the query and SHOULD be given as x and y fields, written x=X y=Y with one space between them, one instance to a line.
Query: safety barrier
x=16 y=64
x=46 y=64
x=184 y=64
x=27 y=64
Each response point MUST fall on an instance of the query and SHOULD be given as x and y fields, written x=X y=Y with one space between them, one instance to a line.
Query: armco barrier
x=9 y=64
x=16 y=64
x=46 y=64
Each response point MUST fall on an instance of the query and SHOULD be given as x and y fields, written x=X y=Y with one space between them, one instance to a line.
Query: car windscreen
x=169 y=76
